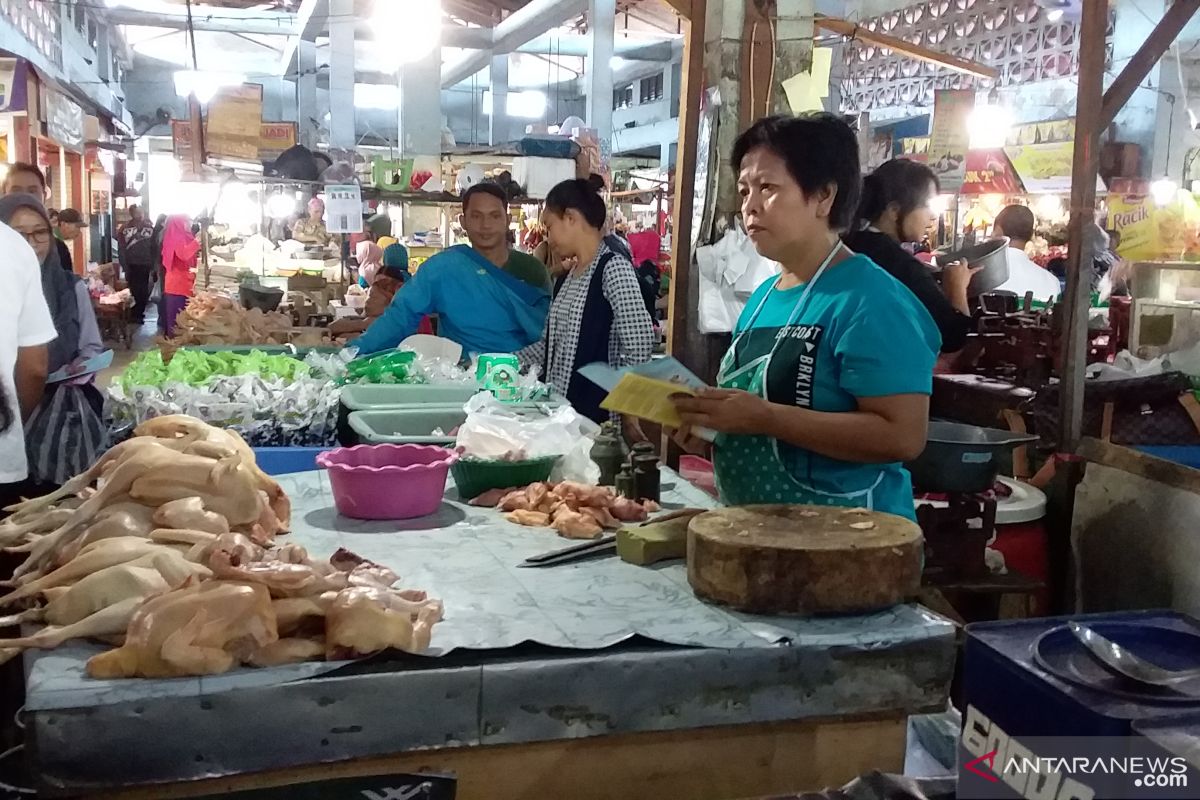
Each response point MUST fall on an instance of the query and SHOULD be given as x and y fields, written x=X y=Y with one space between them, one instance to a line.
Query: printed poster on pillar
x=949 y=139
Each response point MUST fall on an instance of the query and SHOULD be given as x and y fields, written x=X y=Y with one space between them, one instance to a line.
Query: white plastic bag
x=494 y=430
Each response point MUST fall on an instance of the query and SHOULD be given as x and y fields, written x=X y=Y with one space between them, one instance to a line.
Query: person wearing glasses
x=66 y=432
x=23 y=178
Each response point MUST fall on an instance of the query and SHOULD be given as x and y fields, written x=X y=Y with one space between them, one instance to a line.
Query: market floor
x=143 y=339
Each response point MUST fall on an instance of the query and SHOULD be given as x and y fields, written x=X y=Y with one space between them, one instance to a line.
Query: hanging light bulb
x=421 y=22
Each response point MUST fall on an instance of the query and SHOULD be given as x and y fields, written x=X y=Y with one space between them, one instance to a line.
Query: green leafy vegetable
x=196 y=368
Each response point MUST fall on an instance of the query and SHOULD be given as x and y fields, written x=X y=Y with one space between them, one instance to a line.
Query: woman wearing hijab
x=386 y=281
x=66 y=432
x=369 y=257
x=179 y=252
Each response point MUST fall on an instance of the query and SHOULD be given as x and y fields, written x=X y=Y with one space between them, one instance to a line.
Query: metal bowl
x=990 y=256
x=962 y=458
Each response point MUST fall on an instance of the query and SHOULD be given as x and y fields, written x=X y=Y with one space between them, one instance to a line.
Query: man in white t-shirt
x=25 y=330
x=1016 y=222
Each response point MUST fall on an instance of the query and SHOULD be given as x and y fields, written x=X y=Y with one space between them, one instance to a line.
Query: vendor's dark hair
x=583 y=195
x=819 y=149
x=25 y=166
x=484 y=188
x=901 y=181
x=1017 y=222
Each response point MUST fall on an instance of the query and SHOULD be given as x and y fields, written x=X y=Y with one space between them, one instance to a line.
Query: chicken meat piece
x=93 y=558
x=225 y=487
x=490 y=499
x=583 y=495
x=532 y=519
x=293 y=650
x=537 y=493
x=189 y=513
x=576 y=525
x=202 y=629
x=514 y=501
x=363 y=620
x=602 y=516
x=628 y=510
x=70 y=604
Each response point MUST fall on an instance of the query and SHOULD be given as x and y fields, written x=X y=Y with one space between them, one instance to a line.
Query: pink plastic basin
x=387 y=481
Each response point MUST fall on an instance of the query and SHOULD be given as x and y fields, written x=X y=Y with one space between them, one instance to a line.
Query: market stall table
x=591 y=680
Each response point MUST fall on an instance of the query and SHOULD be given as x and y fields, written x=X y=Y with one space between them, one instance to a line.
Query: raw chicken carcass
x=602 y=516
x=189 y=513
x=225 y=487
x=628 y=510
x=107 y=526
x=281 y=578
x=364 y=620
x=514 y=501
x=93 y=558
x=199 y=630
x=576 y=525
x=70 y=604
x=109 y=621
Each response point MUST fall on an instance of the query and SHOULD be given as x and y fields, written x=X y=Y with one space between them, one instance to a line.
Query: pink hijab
x=370 y=259
x=179 y=245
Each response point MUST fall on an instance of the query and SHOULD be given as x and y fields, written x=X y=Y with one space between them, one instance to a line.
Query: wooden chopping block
x=803 y=559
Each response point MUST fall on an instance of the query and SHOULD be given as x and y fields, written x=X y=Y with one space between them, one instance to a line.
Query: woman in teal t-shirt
x=825 y=390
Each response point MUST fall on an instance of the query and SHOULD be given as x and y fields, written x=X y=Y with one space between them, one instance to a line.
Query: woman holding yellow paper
x=597 y=314
x=825 y=391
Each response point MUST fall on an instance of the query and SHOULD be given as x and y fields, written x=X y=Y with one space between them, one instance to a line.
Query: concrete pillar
x=602 y=29
x=793 y=51
x=499 y=128
x=1145 y=119
x=420 y=115
x=308 y=115
x=666 y=154
x=342 y=20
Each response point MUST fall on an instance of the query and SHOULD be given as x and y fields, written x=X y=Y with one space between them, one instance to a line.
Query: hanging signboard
x=274 y=138
x=989 y=172
x=1059 y=130
x=1150 y=232
x=915 y=148
x=1044 y=167
x=13 y=84
x=233 y=127
x=949 y=139
x=343 y=208
x=63 y=118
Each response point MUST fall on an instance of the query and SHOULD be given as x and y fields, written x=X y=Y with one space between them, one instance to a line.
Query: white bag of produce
x=495 y=431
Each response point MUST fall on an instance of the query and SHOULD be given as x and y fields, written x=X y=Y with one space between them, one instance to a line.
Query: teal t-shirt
x=861 y=333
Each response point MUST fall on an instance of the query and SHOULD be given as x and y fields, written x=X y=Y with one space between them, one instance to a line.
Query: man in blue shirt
x=487 y=297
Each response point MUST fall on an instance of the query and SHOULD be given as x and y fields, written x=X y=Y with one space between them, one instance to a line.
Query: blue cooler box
x=1003 y=681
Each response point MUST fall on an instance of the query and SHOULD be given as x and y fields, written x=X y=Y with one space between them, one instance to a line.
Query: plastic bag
x=497 y=431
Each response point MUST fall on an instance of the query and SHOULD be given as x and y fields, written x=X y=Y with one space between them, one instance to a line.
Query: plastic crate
x=286 y=460
x=410 y=425
x=367 y=396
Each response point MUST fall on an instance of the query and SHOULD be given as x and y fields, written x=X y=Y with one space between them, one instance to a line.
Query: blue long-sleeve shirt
x=478 y=306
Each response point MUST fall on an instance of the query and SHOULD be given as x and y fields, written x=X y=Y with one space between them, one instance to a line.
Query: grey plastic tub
x=411 y=425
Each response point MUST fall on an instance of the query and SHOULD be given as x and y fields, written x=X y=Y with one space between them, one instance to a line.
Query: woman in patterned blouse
x=597 y=313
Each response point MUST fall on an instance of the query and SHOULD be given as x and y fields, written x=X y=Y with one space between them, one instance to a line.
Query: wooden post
x=1085 y=166
x=1140 y=64
x=690 y=90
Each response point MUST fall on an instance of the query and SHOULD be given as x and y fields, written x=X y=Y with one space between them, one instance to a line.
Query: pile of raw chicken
x=575 y=510
x=166 y=547
x=211 y=318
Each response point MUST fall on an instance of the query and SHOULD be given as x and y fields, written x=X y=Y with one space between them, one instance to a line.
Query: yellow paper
x=822 y=61
x=645 y=398
x=802 y=93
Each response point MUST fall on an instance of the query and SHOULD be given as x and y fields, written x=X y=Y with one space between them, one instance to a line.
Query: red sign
x=990 y=172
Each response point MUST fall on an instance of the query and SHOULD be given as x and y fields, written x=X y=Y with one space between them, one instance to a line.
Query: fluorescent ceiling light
x=526 y=105
x=407 y=30
x=376 y=95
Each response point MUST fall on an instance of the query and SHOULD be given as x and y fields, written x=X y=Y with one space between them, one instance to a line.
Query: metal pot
x=990 y=256
x=962 y=458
